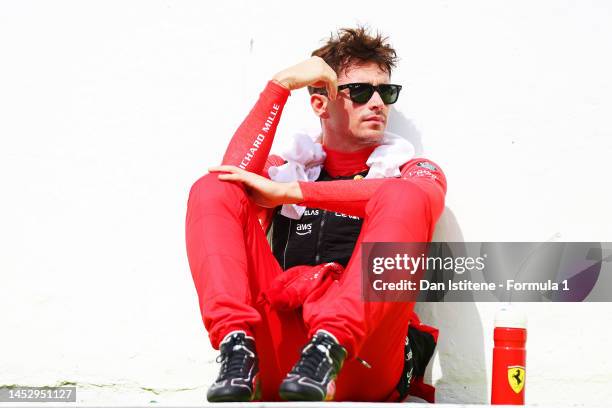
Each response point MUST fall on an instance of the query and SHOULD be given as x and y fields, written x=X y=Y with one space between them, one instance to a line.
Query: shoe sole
x=296 y=395
x=247 y=398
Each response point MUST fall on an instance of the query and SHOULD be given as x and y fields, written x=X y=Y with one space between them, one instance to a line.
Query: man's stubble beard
x=369 y=138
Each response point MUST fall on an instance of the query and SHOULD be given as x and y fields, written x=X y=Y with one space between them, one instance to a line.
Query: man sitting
x=237 y=272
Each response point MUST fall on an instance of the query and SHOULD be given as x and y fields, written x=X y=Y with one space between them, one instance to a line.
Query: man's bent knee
x=210 y=189
x=399 y=196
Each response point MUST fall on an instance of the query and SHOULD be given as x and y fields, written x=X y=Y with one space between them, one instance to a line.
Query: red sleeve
x=251 y=143
x=273 y=160
x=351 y=196
x=265 y=214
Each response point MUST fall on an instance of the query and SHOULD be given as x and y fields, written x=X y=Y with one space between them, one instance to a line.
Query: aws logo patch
x=303 y=229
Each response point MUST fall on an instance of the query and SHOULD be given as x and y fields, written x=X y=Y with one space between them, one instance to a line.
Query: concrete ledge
x=291 y=405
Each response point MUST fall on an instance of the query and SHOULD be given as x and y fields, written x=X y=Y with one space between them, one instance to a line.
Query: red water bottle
x=509 y=357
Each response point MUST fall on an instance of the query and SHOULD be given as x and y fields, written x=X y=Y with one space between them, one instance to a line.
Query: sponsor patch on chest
x=303 y=229
x=427 y=165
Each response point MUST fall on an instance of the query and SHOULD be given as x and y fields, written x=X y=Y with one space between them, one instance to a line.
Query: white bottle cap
x=509 y=316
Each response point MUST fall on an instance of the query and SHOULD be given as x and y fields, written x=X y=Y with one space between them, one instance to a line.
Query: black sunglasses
x=362 y=92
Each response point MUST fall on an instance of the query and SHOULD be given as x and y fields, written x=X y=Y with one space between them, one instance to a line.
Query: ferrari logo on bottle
x=516 y=378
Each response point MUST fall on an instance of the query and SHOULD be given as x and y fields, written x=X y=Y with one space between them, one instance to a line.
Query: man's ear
x=319 y=105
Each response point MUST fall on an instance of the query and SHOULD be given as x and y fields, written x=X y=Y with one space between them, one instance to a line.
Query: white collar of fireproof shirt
x=305 y=158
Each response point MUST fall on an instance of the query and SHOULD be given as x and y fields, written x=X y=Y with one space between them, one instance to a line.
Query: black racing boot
x=313 y=377
x=239 y=375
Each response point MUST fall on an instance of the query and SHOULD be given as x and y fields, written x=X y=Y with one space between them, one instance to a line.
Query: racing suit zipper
x=319 y=237
x=286 y=245
x=363 y=362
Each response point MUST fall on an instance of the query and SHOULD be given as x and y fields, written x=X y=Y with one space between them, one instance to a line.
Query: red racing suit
x=233 y=266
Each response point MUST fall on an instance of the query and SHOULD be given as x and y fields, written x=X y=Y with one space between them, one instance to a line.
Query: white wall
x=110 y=110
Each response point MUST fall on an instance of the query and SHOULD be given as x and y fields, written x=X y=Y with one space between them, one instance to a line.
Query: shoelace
x=313 y=356
x=233 y=360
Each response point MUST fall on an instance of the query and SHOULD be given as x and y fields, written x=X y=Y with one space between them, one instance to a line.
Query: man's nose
x=376 y=102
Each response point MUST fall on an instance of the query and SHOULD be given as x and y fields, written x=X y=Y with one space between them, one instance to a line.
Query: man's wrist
x=281 y=80
x=294 y=193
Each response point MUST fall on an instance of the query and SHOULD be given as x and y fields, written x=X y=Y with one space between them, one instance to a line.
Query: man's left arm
x=345 y=196
x=351 y=196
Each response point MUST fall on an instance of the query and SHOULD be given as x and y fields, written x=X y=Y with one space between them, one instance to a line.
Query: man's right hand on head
x=312 y=72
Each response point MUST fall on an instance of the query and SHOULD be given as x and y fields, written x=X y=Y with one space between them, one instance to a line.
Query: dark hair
x=356 y=45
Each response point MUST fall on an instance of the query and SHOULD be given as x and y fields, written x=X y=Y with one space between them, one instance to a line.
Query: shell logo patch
x=516 y=378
